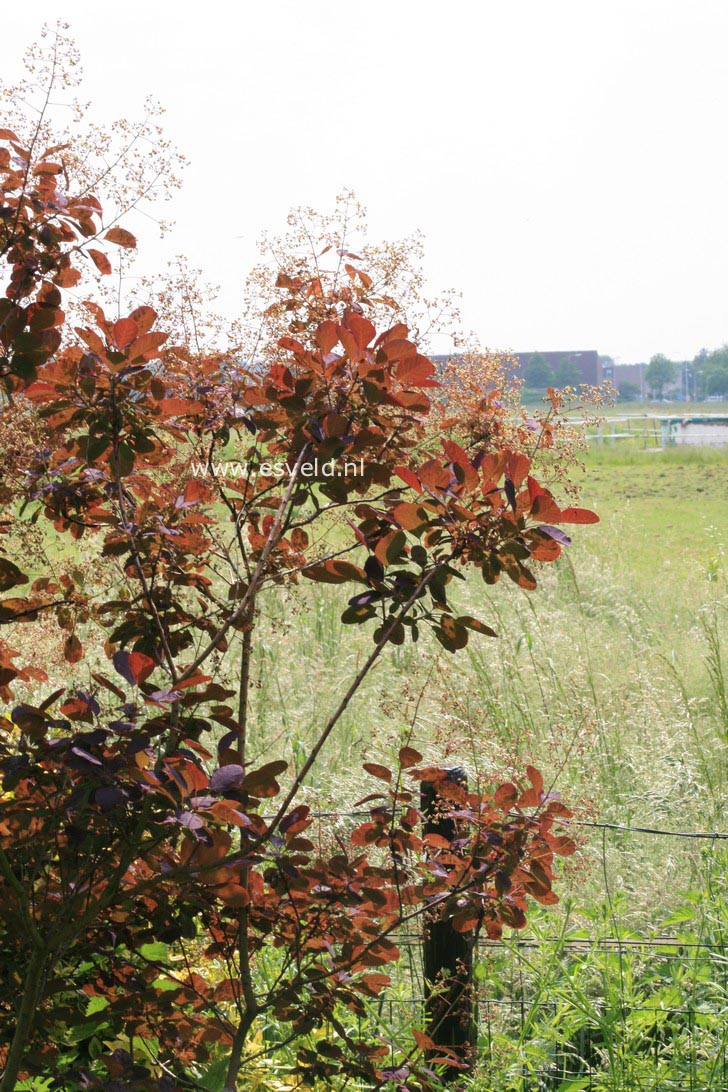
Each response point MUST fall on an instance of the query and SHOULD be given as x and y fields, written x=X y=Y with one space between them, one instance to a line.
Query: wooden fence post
x=447 y=954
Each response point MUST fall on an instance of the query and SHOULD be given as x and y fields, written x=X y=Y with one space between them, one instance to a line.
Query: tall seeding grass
x=614 y=682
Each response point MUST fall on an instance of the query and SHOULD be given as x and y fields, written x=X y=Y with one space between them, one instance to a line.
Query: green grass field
x=608 y=676
x=611 y=678
x=667 y=509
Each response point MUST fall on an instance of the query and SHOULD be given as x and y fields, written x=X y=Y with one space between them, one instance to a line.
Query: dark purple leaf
x=176 y=777
x=166 y=697
x=203 y=801
x=89 y=701
x=91 y=739
x=120 y=661
x=227 y=741
x=226 y=778
x=109 y=797
x=555 y=533
x=139 y=743
x=374 y=568
x=121 y=725
x=85 y=756
x=398 y=1073
x=295 y=816
x=364 y=599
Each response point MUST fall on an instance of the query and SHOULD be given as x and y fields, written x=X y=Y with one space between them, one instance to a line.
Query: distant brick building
x=593 y=370
x=633 y=375
x=585 y=360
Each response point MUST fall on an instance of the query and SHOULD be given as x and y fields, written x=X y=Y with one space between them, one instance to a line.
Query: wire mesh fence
x=596 y=997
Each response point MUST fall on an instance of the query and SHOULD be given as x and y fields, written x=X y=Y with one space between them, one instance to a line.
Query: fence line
x=705 y=834
x=657 y=1015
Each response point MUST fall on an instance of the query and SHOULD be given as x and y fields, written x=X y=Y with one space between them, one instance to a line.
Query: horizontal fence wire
x=623 y=827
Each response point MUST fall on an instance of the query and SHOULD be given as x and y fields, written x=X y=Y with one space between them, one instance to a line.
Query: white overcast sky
x=566 y=160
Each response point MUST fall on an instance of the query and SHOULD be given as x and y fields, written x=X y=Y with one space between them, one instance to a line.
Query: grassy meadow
x=608 y=676
x=612 y=679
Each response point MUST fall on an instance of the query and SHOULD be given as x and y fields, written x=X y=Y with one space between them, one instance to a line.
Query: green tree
x=628 y=392
x=713 y=373
x=538 y=373
x=567 y=373
x=659 y=373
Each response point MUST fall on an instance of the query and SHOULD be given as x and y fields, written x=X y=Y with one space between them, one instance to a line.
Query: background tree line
x=705 y=376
